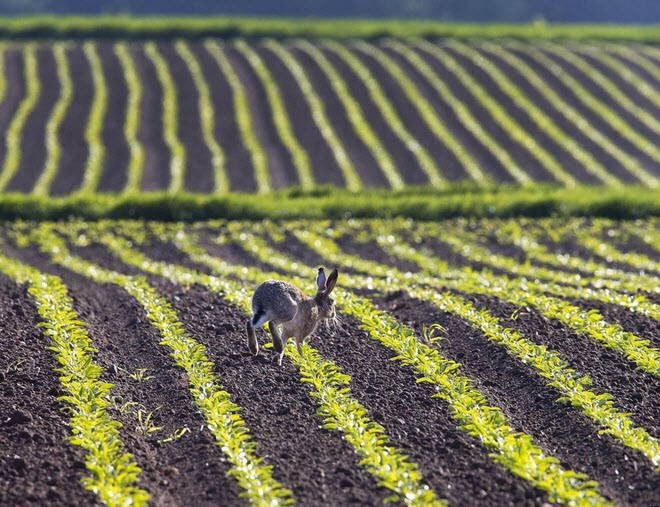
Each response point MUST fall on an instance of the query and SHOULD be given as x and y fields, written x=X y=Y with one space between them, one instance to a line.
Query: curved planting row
x=390 y=113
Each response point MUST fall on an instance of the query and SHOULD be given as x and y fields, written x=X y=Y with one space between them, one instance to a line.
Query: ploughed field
x=494 y=362
x=253 y=115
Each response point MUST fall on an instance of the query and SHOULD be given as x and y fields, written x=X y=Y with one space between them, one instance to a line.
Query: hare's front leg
x=277 y=339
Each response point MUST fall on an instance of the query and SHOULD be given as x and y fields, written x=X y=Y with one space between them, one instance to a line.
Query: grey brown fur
x=278 y=302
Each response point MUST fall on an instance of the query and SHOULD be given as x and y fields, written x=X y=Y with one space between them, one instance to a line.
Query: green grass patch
x=329 y=202
x=228 y=27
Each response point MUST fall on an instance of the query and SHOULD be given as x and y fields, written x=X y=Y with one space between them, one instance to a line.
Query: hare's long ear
x=332 y=280
x=320 y=280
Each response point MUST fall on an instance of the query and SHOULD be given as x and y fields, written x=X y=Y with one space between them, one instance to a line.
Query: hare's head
x=323 y=289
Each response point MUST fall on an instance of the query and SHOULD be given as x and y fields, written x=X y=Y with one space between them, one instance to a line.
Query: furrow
x=243 y=118
x=53 y=146
x=15 y=129
x=96 y=156
x=132 y=125
x=170 y=118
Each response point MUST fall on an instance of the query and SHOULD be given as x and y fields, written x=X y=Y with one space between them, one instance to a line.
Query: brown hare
x=278 y=302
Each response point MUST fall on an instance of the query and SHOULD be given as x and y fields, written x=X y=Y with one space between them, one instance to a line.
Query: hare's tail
x=257 y=320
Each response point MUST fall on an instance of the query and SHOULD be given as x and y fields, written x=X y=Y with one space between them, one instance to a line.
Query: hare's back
x=276 y=296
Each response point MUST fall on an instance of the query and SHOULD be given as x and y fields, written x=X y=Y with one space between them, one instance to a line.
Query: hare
x=278 y=302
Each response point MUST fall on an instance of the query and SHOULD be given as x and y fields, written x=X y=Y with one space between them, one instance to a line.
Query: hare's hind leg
x=278 y=345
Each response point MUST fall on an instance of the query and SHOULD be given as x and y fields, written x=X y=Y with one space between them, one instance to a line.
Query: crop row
x=415 y=67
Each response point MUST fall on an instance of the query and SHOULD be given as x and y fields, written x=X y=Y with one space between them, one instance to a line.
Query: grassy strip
x=243 y=118
x=94 y=128
x=220 y=413
x=53 y=147
x=327 y=202
x=513 y=450
x=600 y=275
x=133 y=113
x=14 y=132
x=337 y=407
x=113 y=474
x=229 y=27
x=547 y=362
x=207 y=117
x=469 y=164
x=317 y=106
x=571 y=114
x=609 y=115
x=361 y=127
x=538 y=116
x=170 y=118
x=280 y=116
x=438 y=273
x=388 y=110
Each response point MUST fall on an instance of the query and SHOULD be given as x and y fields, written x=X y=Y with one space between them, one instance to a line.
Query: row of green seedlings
x=387 y=109
x=317 y=107
x=614 y=92
x=541 y=118
x=14 y=133
x=514 y=450
x=221 y=414
x=170 y=117
x=113 y=475
x=53 y=146
x=646 y=232
x=564 y=108
x=338 y=408
x=559 y=284
x=573 y=386
x=605 y=112
x=437 y=273
x=517 y=134
x=354 y=112
x=131 y=126
x=595 y=236
x=280 y=116
x=96 y=156
x=597 y=274
x=206 y=117
x=258 y=154
x=608 y=251
x=634 y=54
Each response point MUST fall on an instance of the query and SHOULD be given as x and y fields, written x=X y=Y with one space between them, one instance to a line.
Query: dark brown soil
x=198 y=170
x=114 y=175
x=69 y=175
x=14 y=73
x=156 y=172
x=33 y=141
x=324 y=165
